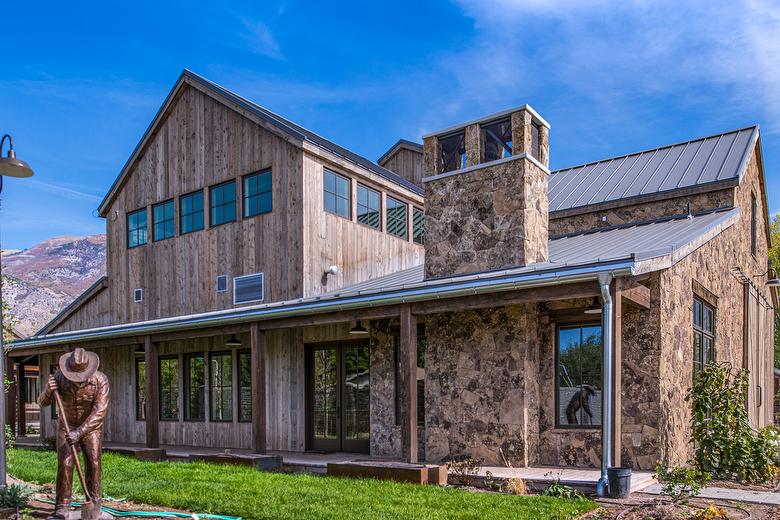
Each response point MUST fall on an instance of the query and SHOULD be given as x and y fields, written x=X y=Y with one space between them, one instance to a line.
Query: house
x=268 y=289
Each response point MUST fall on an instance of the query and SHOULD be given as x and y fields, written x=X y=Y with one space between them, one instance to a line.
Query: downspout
x=605 y=280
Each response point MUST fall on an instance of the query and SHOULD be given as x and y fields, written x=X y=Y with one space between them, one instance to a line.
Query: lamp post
x=10 y=166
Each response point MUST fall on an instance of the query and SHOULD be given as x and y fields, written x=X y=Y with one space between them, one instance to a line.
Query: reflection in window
x=396 y=218
x=356 y=393
x=336 y=196
x=221 y=383
x=191 y=212
x=418 y=225
x=579 y=376
x=325 y=394
x=136 y=228
x=453 y=152
x=368 y=207
x=169 y=389
x=223 y=203
x=245 y=386
x=257 y=194
x=703 y=334
x=140 y=389
x=162 y=216
x=194 y=388
x=497 y=137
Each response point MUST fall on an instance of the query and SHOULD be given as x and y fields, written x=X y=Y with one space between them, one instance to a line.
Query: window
x=497 y=139
x=257 y=194
x=453 y=152
x=194 y=388
x=396 y=218
x=536 y=131
x=136 y=228
x=368 y=207
x=578 y=379
x=169 y=389
x=753 y=224
x=223 y=203
x=703 y=334
x=244 y=386
x=418 y=225
x=221 y=385
x=422 y=346
x=191 y=212
x=336 y=196
x=140 y=389
x=162 y=219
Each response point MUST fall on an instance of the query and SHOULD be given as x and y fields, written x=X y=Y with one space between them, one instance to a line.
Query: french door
x=338 y=394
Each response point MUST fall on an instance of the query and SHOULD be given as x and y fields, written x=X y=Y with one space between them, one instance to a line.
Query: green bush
x=725 y=444
x=680 y=482
x=15 y=496
x=9 y=436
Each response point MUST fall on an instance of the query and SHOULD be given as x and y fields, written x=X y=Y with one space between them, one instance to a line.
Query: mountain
x=42 y=280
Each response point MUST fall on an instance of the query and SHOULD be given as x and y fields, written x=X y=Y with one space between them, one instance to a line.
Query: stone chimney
x=486 y=204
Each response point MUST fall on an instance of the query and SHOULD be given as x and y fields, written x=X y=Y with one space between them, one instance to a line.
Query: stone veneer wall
x=385 y=434
x=488 y=218
x=708 y=266
x=639 y=212
x=481 y=385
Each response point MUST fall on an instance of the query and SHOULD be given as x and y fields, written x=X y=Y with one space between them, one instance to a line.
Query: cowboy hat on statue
x=83 y=392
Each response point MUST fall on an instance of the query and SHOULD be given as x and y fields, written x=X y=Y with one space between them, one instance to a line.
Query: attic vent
x=138 y=295
x=249 y=288
x=222 y=283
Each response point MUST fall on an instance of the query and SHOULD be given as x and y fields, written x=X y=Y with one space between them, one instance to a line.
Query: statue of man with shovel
x=80 y=392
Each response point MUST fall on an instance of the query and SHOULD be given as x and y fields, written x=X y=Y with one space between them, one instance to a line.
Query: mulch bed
x=651 y=507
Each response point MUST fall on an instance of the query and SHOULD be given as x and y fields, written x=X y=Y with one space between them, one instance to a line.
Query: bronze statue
x=83 y=393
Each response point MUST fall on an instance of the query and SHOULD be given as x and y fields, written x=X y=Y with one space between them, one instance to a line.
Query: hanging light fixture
x=358 y=330
x=233 y=341
x=595 y=307
x=10 y=166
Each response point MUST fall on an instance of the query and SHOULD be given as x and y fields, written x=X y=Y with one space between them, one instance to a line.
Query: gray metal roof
x=643 y=241
x=697 y=162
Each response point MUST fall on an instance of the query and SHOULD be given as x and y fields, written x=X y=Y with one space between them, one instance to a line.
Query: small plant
x=463 y=467
x=712 y=512
x=680 y=483
x=558 y=490
x=9 y=436
x=15 y=496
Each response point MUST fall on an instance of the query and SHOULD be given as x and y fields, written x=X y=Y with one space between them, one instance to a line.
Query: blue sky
x=79 y=83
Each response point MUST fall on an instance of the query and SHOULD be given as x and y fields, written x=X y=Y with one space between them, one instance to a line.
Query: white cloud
x=58 y=189
x=258 y=38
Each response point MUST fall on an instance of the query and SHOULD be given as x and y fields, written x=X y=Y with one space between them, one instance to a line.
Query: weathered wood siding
x=201 y=143
x=95 y=312
x=406 y=163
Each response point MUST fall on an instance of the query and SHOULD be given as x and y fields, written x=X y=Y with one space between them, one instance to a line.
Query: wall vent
x=249 y=288
x=222 y=283
x=138 y=295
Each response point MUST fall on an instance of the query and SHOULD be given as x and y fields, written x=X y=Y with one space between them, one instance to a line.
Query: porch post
x=152 y=392
x=259 y=439
x=21 y=389
x=408 y=381
x=10 y=403
x=617 y=384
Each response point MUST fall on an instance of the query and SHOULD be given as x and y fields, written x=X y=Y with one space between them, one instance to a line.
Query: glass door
x=324 y=399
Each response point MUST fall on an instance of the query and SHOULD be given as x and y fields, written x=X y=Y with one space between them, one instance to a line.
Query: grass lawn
x=246 y=492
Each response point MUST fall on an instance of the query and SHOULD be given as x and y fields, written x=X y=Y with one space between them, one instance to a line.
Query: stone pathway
x=736 y=495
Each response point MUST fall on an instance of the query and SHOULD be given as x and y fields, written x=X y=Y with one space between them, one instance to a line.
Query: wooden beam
x=200 y=333
x=555 y=292
x=635 y=294
x=152 y=391
x=408 y=381
x=259 y=427
x=369 y=313
x=617 y=368
x=10 y=396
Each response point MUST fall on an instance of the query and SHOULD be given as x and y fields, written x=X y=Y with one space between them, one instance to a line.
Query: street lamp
x=10 y=166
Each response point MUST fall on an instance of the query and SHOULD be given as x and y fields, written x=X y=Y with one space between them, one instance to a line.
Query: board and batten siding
x=406 y=163
x=200 y=143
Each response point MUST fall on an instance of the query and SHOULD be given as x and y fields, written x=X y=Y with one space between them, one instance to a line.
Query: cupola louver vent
x=249 y=288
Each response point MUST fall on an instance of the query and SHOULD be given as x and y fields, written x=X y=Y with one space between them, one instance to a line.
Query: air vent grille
x=138 y=295
x=222 y=283
x=249 y=288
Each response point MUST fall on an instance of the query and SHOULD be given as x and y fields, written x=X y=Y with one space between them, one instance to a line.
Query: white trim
x=253 y=275
x=486 y=119
x=488 y=164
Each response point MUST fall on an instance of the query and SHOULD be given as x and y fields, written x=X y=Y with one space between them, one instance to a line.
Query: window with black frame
x=703 y=334
x=244 y=386
x=258 y=197
x=223 y=203
x=418 y=225
x=336 y=194
x=169 y=389
x=191 y=212
x=136 y=228
x=397 y=218
x=221 y=384
x=194 y=387
x=497 y=139
x=453 y=152
x=368 y=207
x=578 y=379
x=140 y=389
x=162 y=218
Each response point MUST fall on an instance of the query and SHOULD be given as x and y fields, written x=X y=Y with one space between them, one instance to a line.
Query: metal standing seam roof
x=720 y=157
x=638 y=242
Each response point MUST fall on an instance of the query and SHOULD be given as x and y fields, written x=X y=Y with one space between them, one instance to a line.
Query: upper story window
x=257 y=193
x=162 y=215
x=223 y=203
x=497 y=137
x=418 y=225
x=578 y=378
x=136 y=228
x=191 y=212
x=397 y=223
x=753 y=224
x=703 y=334
x=336 y=194
x=368 y=207
x=453 y=152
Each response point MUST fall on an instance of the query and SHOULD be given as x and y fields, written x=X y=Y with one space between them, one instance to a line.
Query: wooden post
x=152 y=391
x=21 y=386
x=10 y=403
x=617 y=367
x=259 y=429
x=408 y=359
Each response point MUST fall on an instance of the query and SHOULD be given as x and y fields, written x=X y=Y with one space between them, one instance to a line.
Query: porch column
x=257 y=340
x=10 y=402
x=617 y=384
x=21 y=390
x=408 y=381
x=152 y=393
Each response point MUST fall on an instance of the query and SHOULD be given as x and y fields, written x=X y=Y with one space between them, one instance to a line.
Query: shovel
x=90 y=510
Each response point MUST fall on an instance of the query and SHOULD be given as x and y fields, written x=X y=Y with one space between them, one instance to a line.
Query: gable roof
x=284 y=125
x=400 y=145
x=698 y=165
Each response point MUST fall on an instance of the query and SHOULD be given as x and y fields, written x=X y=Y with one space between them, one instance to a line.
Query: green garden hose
x=150 y=514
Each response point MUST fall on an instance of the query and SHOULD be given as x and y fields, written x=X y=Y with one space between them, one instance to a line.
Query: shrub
x=726 y=446
x=681 y=482
x=9 y=436
x=463 y=467
x=15 y=496
x=558 y=490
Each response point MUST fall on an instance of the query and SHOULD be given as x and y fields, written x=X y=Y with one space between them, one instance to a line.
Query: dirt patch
x=649 y=507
